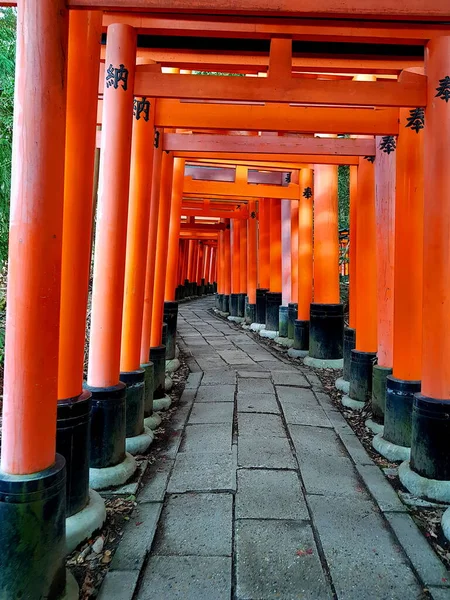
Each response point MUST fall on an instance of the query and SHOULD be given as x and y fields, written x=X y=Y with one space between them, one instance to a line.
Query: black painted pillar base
x=226 y=303
x=234 y=300
x=261 y=294
x=430 y=448
x=171 y=319
x=194 y=291
x=250 y=314
x=108 y=425
x=219 y=301
x=135 y=382
x=273 y=303
x=349 y=345
x=202 y=290
x=361 y=366
x=241 y=305
x=292 y=317
x=283 y=321
x=326 y=331
x=158 y=358
x=149 y=385
x=379 y=380
x=33 y=534
x=398 y=414
x=301 y=335
x=73 y=443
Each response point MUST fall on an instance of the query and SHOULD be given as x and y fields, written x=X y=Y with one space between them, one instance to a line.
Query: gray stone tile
x=439 y=593
x=172 y=445
x=380 y=488
x=263 y=358
x=196 y=525
x=255 y=373
x=193 y=381
x=325 y=400
x=296 y=414
x=137 y=538
x=301 y=397
x=265 y=403
x=212 y=412
x=362 y=556
x=354 y=447
x=291 y=378
x=428 y=566
x=272 y=364
x=235 y=357
x=186 y=578
x=203 y=472
x=254 y=451
x=313 y=379
x=339 y=422
x=219 y=377
x=155 y=481
x=264 y=494
x=207 y=438
x=278 y=560
x=309 y=441
x=207 y=364
x=257 y=424
x=119 y=585
x=216 y=393
x=259 y=386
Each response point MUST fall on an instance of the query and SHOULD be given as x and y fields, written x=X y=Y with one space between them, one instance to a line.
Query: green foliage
x=344 y=196
x=7 y=63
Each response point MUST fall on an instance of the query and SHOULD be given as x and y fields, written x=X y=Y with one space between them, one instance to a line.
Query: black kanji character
x=141 y=107
x=307 y=192
x=115 y=75
x=443 y=89
x=388 y=144
x=416 y=120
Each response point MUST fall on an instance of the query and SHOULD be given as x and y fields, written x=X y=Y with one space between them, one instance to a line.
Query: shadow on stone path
x=270 y=495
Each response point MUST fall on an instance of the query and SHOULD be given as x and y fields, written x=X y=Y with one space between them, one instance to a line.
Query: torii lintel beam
x=180 y=142
x=242 y=190
x=292 y=161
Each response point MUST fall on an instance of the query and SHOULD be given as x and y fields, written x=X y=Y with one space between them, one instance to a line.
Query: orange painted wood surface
x=179 y=142
x=211 y=189
x=84 y=53
x=353 y=303
x=264 y=244
x=294 y=250
x=275 y=245
x=305 y=245
x=174 y=229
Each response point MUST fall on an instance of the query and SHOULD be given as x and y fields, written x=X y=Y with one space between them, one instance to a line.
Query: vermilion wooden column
x=243 y=258
x=174 y=229
x=213 y=271
x=33 y=311
x=408 y=278
x=352 y=250
x=252 y=255
x=275 y=245
x=151 y=249
x=108 y=423
x=227 y=267
x=235 y=266
x=286 y=251
x=326 y=314
x=430 y=456
x=385 y=220
x=294 y=250
x=162 y=243
x=84 y=52
x=191 y=254
x=264 y=244
x=200 y=264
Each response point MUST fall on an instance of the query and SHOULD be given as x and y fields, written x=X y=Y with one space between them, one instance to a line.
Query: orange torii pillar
x=243 y=269
x=293 y=304
x=180 y=269
x=220 y=271
x=33 y=477
x=198 y=270
x=429 y=470
x=157 y=346
x=385 y=166
x=226 y=268
x=305 y=265
x=252 y=265
x=74 y=403
x=285 y=270
x=170 y=305
x=152 y=420
x=132 y=373
x=213 y=269
x=395 y=442
x=205 y=270
x=110 y=463
x=195 y=252
x=343 y=382
x=364 y=354
x=263 y=260
x=190 y=270
x=327 y=313
x=235 y=268
x=274 y=297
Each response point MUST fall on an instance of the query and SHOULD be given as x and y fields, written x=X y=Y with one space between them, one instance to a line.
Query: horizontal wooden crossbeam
x=179 y=142
x=281 y=160
x=207 y=189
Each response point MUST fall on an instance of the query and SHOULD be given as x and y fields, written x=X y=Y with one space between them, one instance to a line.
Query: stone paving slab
x=265 y=403
x=256 y=372
x=364 y=559
x=257 y=424
x=186 y=578
x=212 y=412
x=207 y=438
x=216 y=393
x=301 y=397
x=156 y=480
x=249 y=385
x=119 y=585
x=266 y=494
x=137 y=539
x=309 y=441
x=196 y=525
x=296 y=414
x=255 y=451
x=203 y=472
x=291 y=378
x=219 y=377
x=383 y=493
x=278 y=560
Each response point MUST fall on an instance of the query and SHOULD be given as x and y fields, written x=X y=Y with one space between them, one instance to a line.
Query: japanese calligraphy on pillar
x=388 y=144
x=117 y=75
x=443 y=89
x=307 y=192
x=141 y=109
x=416 y=119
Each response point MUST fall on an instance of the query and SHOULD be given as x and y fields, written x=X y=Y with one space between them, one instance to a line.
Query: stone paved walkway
x=266 y=493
